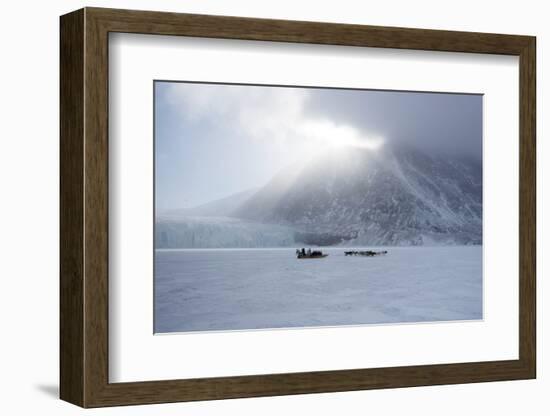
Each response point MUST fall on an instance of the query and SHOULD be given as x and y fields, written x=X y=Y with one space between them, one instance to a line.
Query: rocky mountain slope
x=349 y=196
x=389 y=197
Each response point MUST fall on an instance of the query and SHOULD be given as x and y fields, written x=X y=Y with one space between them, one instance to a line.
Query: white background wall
x=29 y=206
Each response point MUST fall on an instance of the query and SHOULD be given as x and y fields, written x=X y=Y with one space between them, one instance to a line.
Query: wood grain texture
x=528 y=208
x=84 y=207
x=71 y=208
x=225 y=27
x=96 y=208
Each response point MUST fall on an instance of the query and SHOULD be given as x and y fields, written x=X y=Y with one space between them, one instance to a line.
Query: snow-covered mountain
x=350 y=196
x=394 y=196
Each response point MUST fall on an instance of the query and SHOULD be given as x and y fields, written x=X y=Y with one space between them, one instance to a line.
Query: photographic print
x=295 y=207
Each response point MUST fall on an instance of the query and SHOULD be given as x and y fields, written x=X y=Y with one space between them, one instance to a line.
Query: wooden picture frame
x=84 y=207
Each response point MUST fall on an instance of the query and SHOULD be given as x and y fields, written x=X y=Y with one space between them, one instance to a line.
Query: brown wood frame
x=84 y=208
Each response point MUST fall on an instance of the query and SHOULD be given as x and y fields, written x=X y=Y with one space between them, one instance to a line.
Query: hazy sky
x=215 y=140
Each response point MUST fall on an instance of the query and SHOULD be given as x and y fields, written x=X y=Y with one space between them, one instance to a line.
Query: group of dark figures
x=308 y=254
x=368 y=253
x=303 y=253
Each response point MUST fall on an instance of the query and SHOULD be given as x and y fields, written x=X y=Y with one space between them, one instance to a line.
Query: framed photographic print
x=255 y=207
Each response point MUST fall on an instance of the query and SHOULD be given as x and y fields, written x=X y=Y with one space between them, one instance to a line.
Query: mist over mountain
x=396 y=195
x=224 y=207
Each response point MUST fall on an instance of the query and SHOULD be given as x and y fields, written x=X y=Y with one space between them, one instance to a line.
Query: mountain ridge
x=391 y=196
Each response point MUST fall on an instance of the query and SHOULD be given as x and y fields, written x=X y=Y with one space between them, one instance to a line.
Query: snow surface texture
x=391 y=197
x=211 y=290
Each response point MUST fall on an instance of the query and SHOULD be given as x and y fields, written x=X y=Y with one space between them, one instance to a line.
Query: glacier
x=220 y=232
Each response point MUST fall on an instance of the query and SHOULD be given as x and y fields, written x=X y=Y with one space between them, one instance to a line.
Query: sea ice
x=237 y=289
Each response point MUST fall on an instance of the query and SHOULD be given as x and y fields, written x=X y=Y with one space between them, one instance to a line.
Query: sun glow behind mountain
x=276 y=117
x=245 y=135
x=326 y=133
